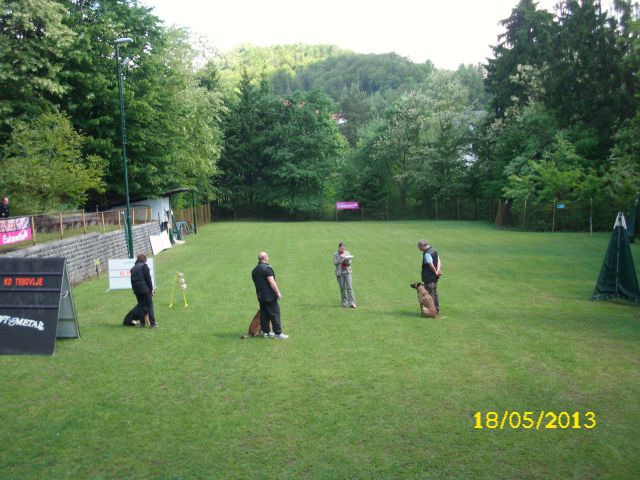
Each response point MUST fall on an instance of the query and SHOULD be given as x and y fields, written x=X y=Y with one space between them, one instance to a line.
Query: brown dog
x=254 y=327
x=427 y=306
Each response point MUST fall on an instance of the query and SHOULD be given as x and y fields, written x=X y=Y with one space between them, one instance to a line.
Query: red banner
x=347 y=206
x=14 y=230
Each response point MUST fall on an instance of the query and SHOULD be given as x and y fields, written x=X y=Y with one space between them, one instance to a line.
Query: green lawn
x=375 y=392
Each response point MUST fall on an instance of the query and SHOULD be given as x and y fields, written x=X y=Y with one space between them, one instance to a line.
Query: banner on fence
x=120 y=273
x=347 y=205
x=14 y=230
x=36 y=305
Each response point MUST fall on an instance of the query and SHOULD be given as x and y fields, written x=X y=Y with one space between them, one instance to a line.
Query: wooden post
x=478 y=204
x=104 y=229
x=524 y=213
x=84 y=223
x=60 y=213
x=133 y=216
x=33 y=231
x=458 y=208
x=553 y=221
x=119 y=222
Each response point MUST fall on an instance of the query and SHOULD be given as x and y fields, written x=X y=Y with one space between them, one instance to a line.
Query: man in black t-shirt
x=268 y=295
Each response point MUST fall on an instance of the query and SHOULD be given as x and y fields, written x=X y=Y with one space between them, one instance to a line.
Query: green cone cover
x=618 y=275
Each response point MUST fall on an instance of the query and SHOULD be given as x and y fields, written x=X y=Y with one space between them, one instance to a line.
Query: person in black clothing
x=431 y=270
x=4 y=208
x=143 y=289
x=268 y=295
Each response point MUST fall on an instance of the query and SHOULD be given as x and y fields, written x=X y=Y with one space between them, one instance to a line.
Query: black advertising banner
x=33 y=294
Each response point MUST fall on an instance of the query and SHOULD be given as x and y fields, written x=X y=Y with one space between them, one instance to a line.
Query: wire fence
x=587 y=215
x=557 y=215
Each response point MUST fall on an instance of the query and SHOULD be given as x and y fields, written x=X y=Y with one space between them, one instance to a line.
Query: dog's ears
x=414 y=285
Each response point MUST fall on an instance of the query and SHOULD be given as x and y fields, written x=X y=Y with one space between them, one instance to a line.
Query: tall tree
x=586 y=77
x=301 y=148
x=44 y=168
x=355 y=112
x=528 y=40
x=173 y=130
x=402 y=142
x=33 y=41
x=446 y=143
x=239 y=162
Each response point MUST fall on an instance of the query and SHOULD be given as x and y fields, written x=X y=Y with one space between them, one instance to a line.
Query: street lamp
x=117 y=42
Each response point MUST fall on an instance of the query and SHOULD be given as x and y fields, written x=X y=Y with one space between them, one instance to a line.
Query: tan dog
x=427 y=306
x=254 y=327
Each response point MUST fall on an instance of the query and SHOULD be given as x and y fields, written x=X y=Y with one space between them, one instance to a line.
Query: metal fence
x=57 y=226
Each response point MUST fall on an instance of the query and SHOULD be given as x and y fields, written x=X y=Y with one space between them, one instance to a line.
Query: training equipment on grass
x=178 y=279
x=618 y=275
x=36 y=305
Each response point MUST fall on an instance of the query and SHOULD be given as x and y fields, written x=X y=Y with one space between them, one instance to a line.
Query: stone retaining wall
x=82 y=251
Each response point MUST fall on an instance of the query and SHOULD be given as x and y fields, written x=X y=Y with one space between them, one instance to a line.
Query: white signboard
x=160 y=242
x=120 y=273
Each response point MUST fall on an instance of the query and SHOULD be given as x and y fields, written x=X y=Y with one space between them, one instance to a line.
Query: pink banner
x=347 y=206
x=14 y=230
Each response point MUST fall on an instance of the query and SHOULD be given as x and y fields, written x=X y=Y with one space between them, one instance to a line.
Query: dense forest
x=284 y=132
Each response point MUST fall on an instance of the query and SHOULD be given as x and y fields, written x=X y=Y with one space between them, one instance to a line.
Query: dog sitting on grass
x=427 y=306
x=254 y=327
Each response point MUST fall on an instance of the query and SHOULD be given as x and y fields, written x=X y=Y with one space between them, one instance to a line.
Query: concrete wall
x=82 y=251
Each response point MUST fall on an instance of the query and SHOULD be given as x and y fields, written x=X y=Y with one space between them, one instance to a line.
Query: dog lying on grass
x=427 y=306
x=254 y=327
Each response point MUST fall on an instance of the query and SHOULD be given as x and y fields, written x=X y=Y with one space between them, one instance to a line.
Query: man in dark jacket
x=268 y=295
x=431 y=270
x=4 y=208
x=143 y=289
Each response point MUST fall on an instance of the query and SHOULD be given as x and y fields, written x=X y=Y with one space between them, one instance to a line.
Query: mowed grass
x=375 y=392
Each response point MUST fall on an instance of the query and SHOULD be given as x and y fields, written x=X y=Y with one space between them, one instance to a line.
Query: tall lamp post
x=117 y=42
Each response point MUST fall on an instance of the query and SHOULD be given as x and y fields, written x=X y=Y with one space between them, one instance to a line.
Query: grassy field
x=375 y=392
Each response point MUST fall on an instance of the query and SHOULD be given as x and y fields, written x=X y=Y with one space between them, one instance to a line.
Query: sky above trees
x=448 y=33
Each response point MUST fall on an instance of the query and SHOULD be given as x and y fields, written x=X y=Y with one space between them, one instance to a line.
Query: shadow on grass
x=400 y=313
x=228 y=335
x=320 y=306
